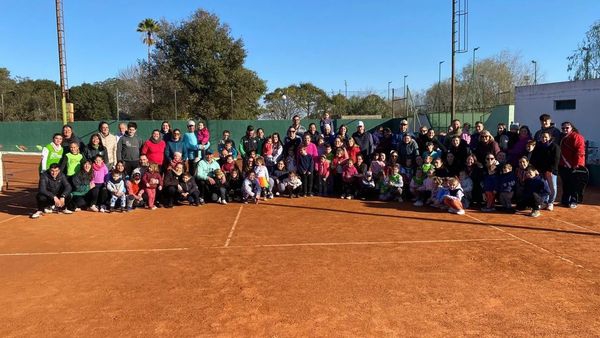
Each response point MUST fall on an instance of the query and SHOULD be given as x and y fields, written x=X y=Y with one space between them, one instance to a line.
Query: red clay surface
x=301 y=267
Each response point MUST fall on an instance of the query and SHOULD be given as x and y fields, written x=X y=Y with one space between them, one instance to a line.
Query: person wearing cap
x=191 y=147
x=364 y=140
x=398 y=137
x=205 y=174
x=248 y=143
x=291 y=141
x=547 y=126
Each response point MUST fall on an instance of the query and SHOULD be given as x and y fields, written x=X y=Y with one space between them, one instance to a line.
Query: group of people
x=513 y=170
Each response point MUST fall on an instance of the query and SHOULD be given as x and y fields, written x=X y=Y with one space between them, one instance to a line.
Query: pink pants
x=151 y=196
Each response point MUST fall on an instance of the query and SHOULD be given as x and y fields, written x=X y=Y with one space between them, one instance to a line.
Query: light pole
x=175 y=99
x=346 y=88
x=534 y=71
x=439 y=83
x=389 y=83
x=473 y=80
x=405 y=98
x=404 y=85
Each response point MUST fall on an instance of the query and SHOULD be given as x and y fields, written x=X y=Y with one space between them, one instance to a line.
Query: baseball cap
x=403 y=121
x=360 y=124
x=136 y=171
x=208 y=152
x=191 y=123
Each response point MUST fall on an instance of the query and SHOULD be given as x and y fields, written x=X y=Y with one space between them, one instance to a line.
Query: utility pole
x=393 y=102
x=534 y=71
x=175 y=98
x=453 y=79
x=55 y=106
x=439 y=82
x=389 y=83
x=346 y=88
x=473 y=80
x=117 y=99
x=62 y=58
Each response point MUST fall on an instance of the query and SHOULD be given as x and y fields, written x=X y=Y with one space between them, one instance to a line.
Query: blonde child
x=220 y=187
x=99 y=175
x=71 y=162
x=265 y=181
x=152 y=182
x=292 y=184
x=453 y=199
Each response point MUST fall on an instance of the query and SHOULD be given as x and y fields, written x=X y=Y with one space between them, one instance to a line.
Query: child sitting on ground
x=292 y=184
x=437 y=191
x=535 y=191
x=250 y=188
x=506 y=186
x=135 y=192
x=189 y=190
x=116 y=187
x=453 y=199
x=234 y=186
x=366 y=189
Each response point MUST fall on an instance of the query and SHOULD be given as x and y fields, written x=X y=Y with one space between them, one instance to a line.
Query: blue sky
x=366 y=43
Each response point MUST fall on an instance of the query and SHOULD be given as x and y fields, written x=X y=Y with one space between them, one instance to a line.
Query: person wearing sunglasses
x=572 y=165
x=486 y=145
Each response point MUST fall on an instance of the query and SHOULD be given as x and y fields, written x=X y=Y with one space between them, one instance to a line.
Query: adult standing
x=519 y=148
x=311 y=148
x=52 y=153
x=476 y=135
x=53 y=192
x=165 y=131
x=109 y=141
x=546 y=125
x=364 y=140
x=248 y=143
x=486 y=145
x=408 y=149
x=399 y=137
x=300 y=130
x=343 y=132
x=459 y=149
x=313 y=132
x=545 y=158
x=454 y=130
x=122 y=130
x=128 y=148
x=95 y=148
x=191 y=147
x=475 y=171
x=175 y=145
x=70 y=137
x=154 y=148
x=572 y=159
x=260 y=138
x=291 y=141
x=277 y=148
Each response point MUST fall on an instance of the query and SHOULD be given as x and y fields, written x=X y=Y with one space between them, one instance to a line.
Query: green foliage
x=305 y=100
x=584 y=63
x=92 y=102
x=203 y=58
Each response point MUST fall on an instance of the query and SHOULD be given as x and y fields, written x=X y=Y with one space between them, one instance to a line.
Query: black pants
x=348 y=188
x=204 y=188
x=81 y=201
x=307 y=183
x=98 y=195
x=170 y=195
x=44 y=201
x=572 y=190
x=194 y=197
x=533 y=201
x=130 y=165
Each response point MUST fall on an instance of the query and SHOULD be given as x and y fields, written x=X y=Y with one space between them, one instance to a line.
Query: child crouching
x=534 y=192
x=135 y=193
x=453 y=199
x=116 y=187
x=251 y=188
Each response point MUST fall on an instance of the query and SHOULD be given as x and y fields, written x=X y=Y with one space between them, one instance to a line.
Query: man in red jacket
x=572 y=165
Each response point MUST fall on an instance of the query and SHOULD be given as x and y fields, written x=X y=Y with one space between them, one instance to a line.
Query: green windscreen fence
x=31 y=136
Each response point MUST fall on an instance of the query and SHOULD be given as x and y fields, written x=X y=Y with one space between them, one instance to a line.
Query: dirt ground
x=300 y=267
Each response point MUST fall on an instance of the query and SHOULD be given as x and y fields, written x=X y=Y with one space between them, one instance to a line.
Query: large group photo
x=300 y=169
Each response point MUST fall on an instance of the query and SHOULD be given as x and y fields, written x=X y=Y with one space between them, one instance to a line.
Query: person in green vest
x=71 y=162
x=52 y=153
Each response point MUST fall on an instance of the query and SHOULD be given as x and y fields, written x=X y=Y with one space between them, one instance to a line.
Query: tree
x=203 y=58
x=92 y=102
x=305 y=99
x=371 y=104
x=148 y=27
x=584 y=63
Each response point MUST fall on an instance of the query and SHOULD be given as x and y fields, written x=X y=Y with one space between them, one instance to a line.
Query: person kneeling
x=534 y=192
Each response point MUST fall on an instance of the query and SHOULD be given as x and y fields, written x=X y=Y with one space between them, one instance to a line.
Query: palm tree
x=149 y=27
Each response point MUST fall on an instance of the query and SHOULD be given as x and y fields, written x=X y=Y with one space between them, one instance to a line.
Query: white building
x=575 y=101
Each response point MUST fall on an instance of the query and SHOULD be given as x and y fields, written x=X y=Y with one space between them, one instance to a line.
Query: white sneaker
x=37 y=214
x=77 y=209
x=573 y=205
x=550 y=207
x=418 y=204
x=48 y=210
x=67 y=212
x=154 y=208
x=224 y=202
x=399 y=199
x=102 y=209
x=452 y=210
x=219 y=200
x=343 y=196
x=94 y=208
x=460 y=212
x=349 y=197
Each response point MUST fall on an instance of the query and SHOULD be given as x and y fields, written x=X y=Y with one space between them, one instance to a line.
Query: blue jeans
x=552 y=184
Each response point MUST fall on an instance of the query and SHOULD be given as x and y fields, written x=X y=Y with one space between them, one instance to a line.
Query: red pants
x=490 y=199
x=151 y=196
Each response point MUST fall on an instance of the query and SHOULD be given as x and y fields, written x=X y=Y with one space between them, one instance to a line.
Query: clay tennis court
x=301 y=267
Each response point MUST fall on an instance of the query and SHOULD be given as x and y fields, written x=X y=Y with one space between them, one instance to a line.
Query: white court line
x=89 y=252
x=9 y=219
x=237 y=218
x=575 y=225
x=368 y=243
x=528 y=242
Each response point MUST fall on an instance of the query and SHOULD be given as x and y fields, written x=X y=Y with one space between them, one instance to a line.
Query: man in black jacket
x=54 y=192
x=364 y=140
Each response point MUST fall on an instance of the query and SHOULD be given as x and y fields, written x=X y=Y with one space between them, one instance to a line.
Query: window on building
x=565 y=104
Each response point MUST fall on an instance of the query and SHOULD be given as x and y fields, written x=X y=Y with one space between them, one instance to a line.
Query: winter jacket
x=247 y=144
x=81 y=184
x=99 y=173
x=128 y=148
x=152 y=180
x=110 y=143
x=155 y=151
x=408 y=150
x=352 y=152
x=90 y=152
x=190 y=186
x=536 y=185
x=203 y=136
x=546 y=157
x=305 y=164
x=486 y=148
x=51 y=187
x=349 y=173
x=489 y=181
x=190 y=146
x=323 y=168
x=294 y=183
x=173 y=147
x=115 y=186
x=365 y=142
x=395 y=180
x=553 y=131
x=206 y=169
x=506 y=182
x=572 y=148
x=250 y=188
x=170 y=178
x=133 y=188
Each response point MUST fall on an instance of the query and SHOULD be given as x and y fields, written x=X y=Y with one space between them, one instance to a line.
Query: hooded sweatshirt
x=128 y=148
